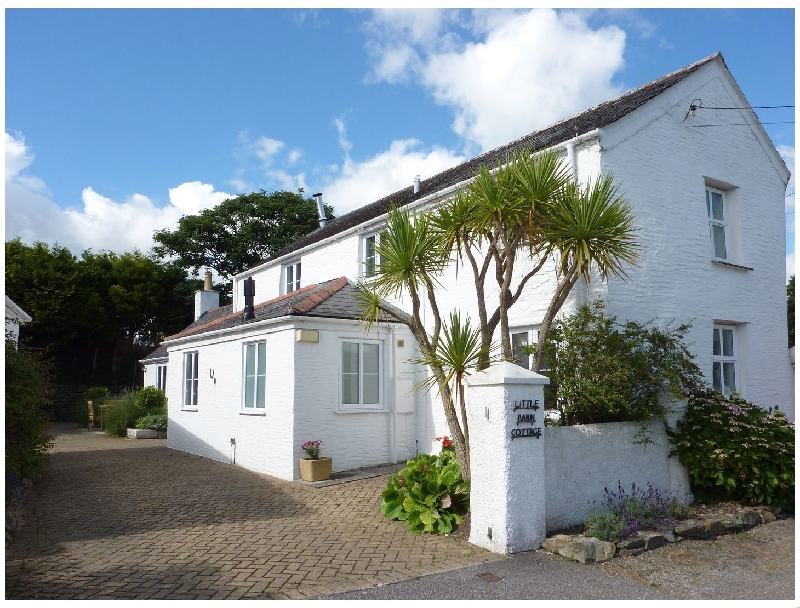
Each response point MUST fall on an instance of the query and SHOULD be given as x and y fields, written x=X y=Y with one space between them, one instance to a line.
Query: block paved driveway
x=123 y=518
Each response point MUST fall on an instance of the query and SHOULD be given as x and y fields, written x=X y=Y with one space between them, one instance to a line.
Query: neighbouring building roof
x=13 y=311
x=594 y=118
x=334 y=299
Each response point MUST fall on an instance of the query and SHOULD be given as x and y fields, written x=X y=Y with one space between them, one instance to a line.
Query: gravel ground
x=757 y=565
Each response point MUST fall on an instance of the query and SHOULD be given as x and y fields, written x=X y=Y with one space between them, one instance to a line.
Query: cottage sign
x=526 y=418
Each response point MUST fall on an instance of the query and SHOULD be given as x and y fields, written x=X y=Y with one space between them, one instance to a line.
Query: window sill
x=729 y=265
x=362 y=411
x=188 y=409
x=245 y=413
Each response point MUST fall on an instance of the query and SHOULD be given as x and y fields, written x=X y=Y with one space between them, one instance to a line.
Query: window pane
x=371 y=355
x=717 y=348
x=717 y=377
x=517 y=341
x=716 y=206
x=729 y=377
x=718 y=236
x=727 y=343
x=261 y=375
x=369 y=256
x=297 y=277
x=371 y=389
x=289 y=279
x=349 y=358
x=708 y=203
x=350 y=388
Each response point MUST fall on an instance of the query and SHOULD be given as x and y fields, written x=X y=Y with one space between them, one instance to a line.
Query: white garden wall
x=580 y=461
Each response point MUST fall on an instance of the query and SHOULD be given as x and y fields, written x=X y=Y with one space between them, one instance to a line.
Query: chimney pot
x=207 y=282
x=323 y=219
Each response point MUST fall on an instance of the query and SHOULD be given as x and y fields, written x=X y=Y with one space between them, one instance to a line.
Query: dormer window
x=291 y=273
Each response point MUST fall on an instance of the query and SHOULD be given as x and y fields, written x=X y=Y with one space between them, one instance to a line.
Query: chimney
x=416 y=184
x=323 y=219
x=249 y=294
x=206 y=298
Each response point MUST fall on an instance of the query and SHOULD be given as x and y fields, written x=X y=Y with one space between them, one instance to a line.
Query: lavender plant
x=623 y=514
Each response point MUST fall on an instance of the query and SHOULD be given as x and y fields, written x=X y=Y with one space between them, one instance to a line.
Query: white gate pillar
x=505 y=412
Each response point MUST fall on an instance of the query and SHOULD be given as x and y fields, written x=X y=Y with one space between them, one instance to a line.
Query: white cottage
x=710 y=206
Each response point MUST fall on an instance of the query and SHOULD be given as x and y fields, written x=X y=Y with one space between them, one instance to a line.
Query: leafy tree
x=27 y=381
x=98 y=315
x=790 y=309
x=239 y=232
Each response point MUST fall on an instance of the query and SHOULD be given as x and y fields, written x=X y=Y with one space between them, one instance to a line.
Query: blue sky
x=119 y=121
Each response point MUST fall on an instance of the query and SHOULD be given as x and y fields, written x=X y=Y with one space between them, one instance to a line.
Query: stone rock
x=555 y=543
x=750 y=517
x=653 y=540
x=588 y=550
x=714 y=527
x=691 y=528
x=733 y=524
x=633 y=542
x=767 y=517
x=669 y=534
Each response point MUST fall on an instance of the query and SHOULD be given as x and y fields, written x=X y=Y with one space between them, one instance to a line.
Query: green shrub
x=735 y=450
x=123 y=415
x=154 y=422
x=97 y=395
x=151 y=398
x=602 y=371
x=623 y=514
x=429 y=494
x=27 y=382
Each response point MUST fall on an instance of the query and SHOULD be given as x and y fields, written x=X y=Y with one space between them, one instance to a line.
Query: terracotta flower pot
x=316 y=470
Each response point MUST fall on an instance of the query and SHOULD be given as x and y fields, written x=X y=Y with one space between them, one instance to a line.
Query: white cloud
x=517 y=72
x=263 y=161
x=360 y=183
x=99 y=222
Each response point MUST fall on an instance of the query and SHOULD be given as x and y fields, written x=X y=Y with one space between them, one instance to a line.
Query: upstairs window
x=724 y=362
x=370 y=257
x=292 y=275
x=717 y=224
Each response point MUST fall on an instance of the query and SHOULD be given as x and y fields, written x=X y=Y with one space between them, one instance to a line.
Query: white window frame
x=361 y=405
x=720 y=359
x=293 y=270
x=718 y=222
x=191 y=374
x=257 y=377
x=161 y=377
x=375 y=238
x=532 y=332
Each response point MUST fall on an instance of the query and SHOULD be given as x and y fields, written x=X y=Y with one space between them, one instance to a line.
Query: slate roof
x=334 y=299
x=594 y=118
x=159 y=353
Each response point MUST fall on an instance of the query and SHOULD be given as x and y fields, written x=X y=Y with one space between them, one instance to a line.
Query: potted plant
x=314 y=467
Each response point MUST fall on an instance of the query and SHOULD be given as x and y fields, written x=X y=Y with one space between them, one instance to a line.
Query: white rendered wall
x=582 y=460
x=353 y=438
x=661 y=162
x=263 y=442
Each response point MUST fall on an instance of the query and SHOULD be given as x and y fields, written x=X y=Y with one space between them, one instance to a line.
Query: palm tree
x=585 y=227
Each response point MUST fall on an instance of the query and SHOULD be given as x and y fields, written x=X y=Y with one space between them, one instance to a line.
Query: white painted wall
x=662 y=169
x=264 y=443
x=582 y=460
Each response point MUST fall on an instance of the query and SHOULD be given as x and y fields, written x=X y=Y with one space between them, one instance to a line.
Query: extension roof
x=594 y=118
x=334 y=299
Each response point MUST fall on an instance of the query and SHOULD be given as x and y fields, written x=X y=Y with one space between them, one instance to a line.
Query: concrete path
x=124 y=518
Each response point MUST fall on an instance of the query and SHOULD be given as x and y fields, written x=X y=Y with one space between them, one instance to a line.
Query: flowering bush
x=447 y=443
x=735 y=450
x=624 y=514
x=311 y=448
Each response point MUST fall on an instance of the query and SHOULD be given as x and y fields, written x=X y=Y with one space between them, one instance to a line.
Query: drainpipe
x=393 y=396
x=570 y=146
